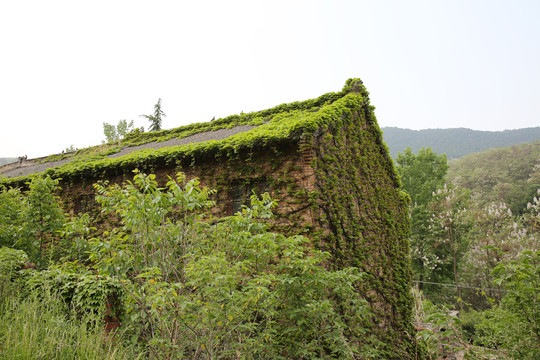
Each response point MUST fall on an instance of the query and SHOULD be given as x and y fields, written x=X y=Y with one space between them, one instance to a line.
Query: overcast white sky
x=68 y=66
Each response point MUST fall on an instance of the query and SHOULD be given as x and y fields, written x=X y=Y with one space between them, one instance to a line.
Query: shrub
x=224 y=288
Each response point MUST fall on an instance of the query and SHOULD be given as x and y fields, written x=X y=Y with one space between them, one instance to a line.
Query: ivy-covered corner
x=363 y=216
x=323 y=160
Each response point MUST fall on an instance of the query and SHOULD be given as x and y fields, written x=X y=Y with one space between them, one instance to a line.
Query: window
x=241 y=191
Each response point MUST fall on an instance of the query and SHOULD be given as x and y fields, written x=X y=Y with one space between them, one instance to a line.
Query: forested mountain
x=510 y=175
x=4 y=161
x=455 y=142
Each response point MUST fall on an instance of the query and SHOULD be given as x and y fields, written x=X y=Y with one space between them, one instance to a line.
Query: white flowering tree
x=447 y=237
x=496 y=238
x=532 y=217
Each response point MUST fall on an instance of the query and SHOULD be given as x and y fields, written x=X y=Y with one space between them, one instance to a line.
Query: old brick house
x=323 y=160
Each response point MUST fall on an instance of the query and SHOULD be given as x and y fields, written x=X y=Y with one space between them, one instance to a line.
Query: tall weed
x=41 y=328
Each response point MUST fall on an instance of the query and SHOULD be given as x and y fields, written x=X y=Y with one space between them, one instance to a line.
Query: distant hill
x=510 y=174
x=4 y=161
x=457 y=142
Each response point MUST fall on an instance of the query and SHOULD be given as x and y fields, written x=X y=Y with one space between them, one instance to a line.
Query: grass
x=41 y=328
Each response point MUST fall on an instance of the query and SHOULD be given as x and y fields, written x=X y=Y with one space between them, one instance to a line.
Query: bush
x=224 y=288
x=11 y=261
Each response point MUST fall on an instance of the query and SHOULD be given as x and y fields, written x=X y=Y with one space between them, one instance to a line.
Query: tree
x=225 y=288
x=156 y=118
x=116 y=133
x=32 y=222
x=421 y=175
x=70 y=148
x=12 y=210
x=447 y=234
x=496 y=238
x=517 y=328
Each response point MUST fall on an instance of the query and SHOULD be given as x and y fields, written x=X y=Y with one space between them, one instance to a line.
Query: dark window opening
x=242 y=190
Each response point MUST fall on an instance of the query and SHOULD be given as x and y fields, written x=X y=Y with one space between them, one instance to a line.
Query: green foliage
x=43 y=218
x=446 y=335
x=70 y=148
x=521 y=278
x=496 y=237
x=512 y=325
x=510 y=175
x=276 y=125
x=84 y=292
x=12 y=209
x=38 y=328
x=55 y=313
x=443 y=335
x=421 y=176
x=500 y=328
x=11 y=261
x=228 y=288
x=73 y=244
x=35 y=222
x=447 y=238
x=148 y=238
x=116 y=133
x=31 y=222
x=532 y=216
x=156 y=118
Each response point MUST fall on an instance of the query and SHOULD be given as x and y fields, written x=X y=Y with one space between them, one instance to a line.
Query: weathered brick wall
x=287 y=170
x=363 y=222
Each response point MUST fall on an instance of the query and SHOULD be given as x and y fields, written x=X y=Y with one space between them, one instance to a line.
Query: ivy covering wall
x=363 y=217
x=330 y=172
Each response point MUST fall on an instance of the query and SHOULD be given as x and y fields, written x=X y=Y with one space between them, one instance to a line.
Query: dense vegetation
x=475 y=253
x=226 y=288
x=283 y=123
x=184 y=287
x=510 y=175
x=457 y=142
x=338 y=132
x=187 y=285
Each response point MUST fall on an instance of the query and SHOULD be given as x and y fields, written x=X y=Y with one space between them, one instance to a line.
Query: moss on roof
x=283 y=123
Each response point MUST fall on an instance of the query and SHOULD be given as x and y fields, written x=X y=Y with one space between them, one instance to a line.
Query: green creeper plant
x=338 y=132
x=74 y=244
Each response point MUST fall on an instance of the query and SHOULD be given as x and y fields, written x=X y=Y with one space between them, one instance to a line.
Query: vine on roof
x=283 y=123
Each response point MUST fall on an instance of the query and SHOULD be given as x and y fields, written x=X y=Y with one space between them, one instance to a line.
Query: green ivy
x=361 y=215
x=283 y=123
